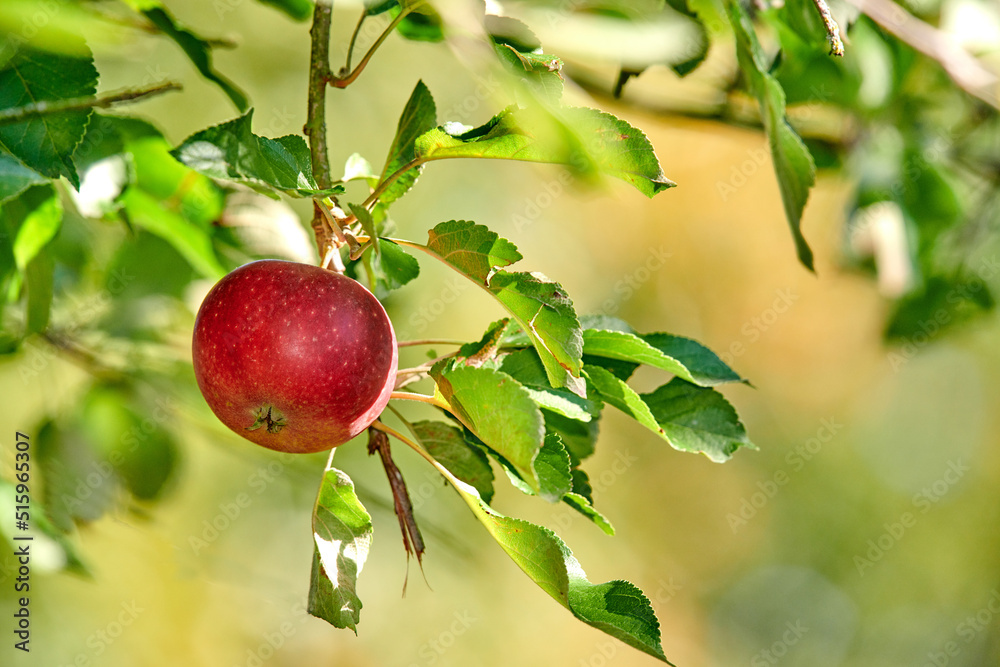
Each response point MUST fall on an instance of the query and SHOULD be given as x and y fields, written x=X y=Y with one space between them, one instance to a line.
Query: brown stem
x=832 y=29
x=347 y=78
x=46 y=107
x=413 y=542
x=315 y=127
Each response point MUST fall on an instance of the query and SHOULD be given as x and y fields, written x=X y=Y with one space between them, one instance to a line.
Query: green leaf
x=38 y=214
x=190 y=240
x=143 y=458
x=545 y=311
x=38 y=279
x=617 y=608
x=197 y=49
x=448 y=446
x=585 y=139
x=422 y=23
x=579 y=437
x=705 y=367
x=46 y=143
x=498 y=410
x=358 y=168
x=583 y=506
x=419 y=116
x=793 y=164
x=689 y=417
x=617 y=393
x=299 y=10
x=526 y=367
x=231 y=151
x=541 y=71
x=697 y=419
x=15 y=177
x=394 y=267
x=683 y=357
x=472 y=249
x=487 y=347
x=342 y=531
x=553 y=468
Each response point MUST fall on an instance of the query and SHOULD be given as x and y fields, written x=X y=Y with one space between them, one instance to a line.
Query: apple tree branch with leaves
x=525 y=400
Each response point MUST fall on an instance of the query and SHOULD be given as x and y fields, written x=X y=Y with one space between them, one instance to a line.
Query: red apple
x=293 y=357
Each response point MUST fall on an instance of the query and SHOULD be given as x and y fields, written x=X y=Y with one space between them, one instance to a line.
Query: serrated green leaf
x=497 y=409
x=689 y=417
x=616 y=607
x=342 y=532
x=299 y=10
x=587 y=140
x=487 y=347
x=190 y=240
x=697 y=419
x=231 y=151
x=394 y=266
x=545 y=311
x=579 y=437
x=16 y=177
x=583 y=506
x=448 y=446
x=793 y=164
x=196 y=48
x=705 y=367
x=683 y=357
x=553 y=468
x=472 y=249
x=542 y=71
x=419 y=116
x=46 y=143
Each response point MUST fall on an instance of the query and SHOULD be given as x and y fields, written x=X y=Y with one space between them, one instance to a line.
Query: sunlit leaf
x=449 y=447
x=793 y=165
x=472 y=249
x=342 y=531
x=46 y=143
x=231 y=151
x=419 y=115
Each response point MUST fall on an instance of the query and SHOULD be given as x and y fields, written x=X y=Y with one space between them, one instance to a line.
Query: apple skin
x=293 y=357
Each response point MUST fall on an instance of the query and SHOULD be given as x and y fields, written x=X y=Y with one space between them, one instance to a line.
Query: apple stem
x=420 y=398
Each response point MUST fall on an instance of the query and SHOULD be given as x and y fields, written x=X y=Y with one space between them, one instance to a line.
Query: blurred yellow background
x=864 y=532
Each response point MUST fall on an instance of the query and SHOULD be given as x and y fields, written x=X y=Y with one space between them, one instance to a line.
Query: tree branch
x=315 y=129
x=47 y=107
x=964 y=69
x=832 y=29
x=346 y=77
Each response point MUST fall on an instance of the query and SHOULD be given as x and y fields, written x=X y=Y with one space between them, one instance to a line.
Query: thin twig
x=354 y=39
x=420 y=398
x=832 y=29
x=343 y=80
x=964 y=69
x=384 y=185
x=47 y=107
